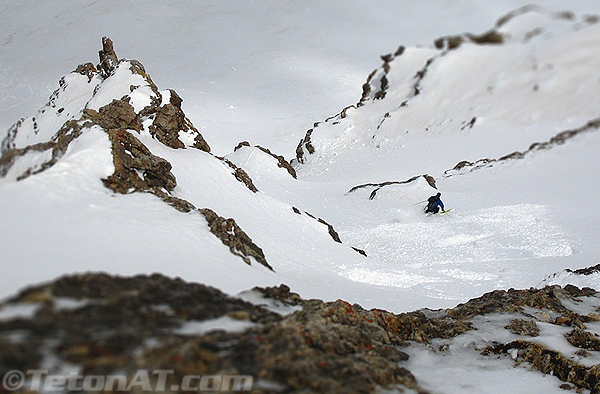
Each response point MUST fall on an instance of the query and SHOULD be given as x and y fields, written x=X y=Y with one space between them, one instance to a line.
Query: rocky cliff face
x=105 y=325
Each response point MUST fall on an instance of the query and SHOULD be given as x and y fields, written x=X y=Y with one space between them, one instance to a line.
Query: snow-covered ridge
x=119 y=98
x=135 y=139
x=530 y=77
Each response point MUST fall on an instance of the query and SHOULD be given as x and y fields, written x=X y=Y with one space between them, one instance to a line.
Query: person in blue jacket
x=434 y=203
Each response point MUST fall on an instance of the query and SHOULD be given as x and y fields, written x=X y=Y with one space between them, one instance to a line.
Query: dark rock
x=58 y=145
x=327 y=347
x=108 y=58
x=124 y=324
x=136 y=168
x=360 y=251
x=557 y=140
x=334 y=235
x=178 y=203
x=116 y=316
x=449 y=42
x=511 y=301
x=553 y=363
x=281 y=293
x=241 y=144
x=87 y=69
x=169 y=120
x=469 y=124
x=490 y=38
x=377 y=186
x=281 y=162
x=9 y=157
x=20 y=356
x=523 y=327
x=119 y=114
x=240 y=175
x=130 y=157
x=366 y=89
x=587 y=271
x=8 y=141
x=583 y=339
x=305 y=143
x=233 y=236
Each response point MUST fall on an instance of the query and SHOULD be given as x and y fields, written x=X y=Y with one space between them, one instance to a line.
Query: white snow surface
x=265 y=72
x=514 y=224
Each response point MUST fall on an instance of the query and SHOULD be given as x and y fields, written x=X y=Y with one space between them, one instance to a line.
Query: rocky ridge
x=142 y=110
x=559 y=139
x=101 y=324
x=410 y=83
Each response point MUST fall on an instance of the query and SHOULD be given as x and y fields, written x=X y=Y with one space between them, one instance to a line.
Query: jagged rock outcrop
x=330 y=230
x=130 y=157
x=378 y=186
x=170 y=120
x=281 y=161
x=143 y=111
x=586 y=271
x=457 y=84
x=240 y=175
x=233 y=236
x=108 y=57
x=553 y=363
x=103 y=324
x=559 y=139
x=169 y=125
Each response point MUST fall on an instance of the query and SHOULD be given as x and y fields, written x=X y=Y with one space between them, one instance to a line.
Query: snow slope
x=515 y=221
x=508 y=132
x=60 y=218
x=259 y=70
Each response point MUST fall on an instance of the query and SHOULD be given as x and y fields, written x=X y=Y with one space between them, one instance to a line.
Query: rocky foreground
x=97 y=324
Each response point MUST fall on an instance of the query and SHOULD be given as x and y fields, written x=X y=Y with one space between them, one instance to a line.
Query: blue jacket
x=435 y=201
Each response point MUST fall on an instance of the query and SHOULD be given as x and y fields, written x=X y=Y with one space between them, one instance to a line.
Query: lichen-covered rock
x=327 y=348
x=513 y=300
x=119 y=114
x=102 y=324
x=551 y=362
x=583 y=339
x=136 y=168
x=523 y=327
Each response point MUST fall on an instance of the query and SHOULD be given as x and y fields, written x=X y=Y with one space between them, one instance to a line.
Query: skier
x=434 y=203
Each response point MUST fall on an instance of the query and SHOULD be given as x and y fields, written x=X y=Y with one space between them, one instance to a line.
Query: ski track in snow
x=466 y=248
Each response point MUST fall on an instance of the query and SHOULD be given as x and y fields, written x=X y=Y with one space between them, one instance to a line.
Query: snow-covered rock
x=96 y=324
